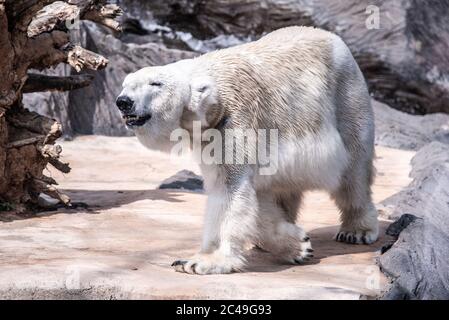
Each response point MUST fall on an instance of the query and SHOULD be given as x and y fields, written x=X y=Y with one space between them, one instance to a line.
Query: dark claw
x=194 y=268
x=309 y=250
x=306 y=239
x=304 y=259
x=365 y=241
x=340 y=236
x=178 y=263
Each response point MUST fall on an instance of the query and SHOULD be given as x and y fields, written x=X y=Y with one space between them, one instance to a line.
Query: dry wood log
x=40 y=82
x=105 y=15
x=51 y=16
x=62 y=15
x=34 y=35
x=25 y=142
x=40 y=185
x=34 y=122
x=46 y=50
x=48 y=180
x=80 y=58
x=49 y=150
x=61 y=166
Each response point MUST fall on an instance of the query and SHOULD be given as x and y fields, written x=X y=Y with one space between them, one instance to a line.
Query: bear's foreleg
x=230 y=224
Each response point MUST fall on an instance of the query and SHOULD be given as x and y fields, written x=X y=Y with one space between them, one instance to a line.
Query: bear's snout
x=125 y=104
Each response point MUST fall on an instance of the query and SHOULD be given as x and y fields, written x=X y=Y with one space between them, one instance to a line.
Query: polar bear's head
x=154 y=101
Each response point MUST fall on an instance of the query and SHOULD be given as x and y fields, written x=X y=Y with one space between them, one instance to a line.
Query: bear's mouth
x=132 y=120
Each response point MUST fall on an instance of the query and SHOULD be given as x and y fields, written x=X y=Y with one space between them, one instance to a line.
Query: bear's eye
x=156 y=84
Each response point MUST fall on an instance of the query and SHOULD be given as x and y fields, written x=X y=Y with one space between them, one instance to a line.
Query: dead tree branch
x=40 y=82
x=80 y=58
x=35 y=35
x=52 y=15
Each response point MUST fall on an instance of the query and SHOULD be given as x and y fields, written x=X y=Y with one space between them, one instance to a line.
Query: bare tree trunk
x=35 y=34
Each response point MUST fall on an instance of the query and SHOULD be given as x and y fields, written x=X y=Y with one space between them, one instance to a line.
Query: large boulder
x=183 y=180
x=418 y=263
x=396 y=129
x=401 y=46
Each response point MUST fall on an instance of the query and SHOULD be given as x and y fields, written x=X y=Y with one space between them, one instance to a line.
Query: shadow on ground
x=324 y=247
x=258 y=260
x=95 y=201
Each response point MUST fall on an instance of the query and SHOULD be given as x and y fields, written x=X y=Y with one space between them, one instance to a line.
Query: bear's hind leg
x=279 y=233
x=358 y=213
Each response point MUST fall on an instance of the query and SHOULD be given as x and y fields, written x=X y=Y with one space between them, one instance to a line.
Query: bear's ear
x=203 y=96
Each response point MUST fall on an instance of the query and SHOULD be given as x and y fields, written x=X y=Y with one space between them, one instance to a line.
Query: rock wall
x=401 y=46
x=396 y=129
x=418 y=262
x=404 y=60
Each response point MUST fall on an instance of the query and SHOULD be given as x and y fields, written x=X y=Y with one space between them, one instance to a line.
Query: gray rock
x=184 y=180
x=428 y=193
x=403 y=56
x=401 y=130
x=418 y=263
x=396 y=227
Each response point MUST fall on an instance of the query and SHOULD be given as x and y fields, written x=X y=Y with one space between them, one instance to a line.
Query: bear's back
x=285 y=75
x=305 y=43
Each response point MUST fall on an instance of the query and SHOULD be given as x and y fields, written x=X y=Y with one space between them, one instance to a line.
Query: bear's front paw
x=208 y=264
x=305 y=252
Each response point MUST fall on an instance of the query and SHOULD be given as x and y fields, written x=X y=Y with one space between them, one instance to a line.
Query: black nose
x=125 y=104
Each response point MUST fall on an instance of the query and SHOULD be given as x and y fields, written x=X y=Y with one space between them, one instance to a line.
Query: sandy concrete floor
x=122 y=245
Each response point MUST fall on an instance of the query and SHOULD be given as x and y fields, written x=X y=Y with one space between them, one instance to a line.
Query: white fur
x=314 y=162
x=302 y=81
x=340 y=53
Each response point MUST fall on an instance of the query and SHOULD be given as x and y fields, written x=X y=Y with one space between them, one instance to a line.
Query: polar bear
x=304 y=83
